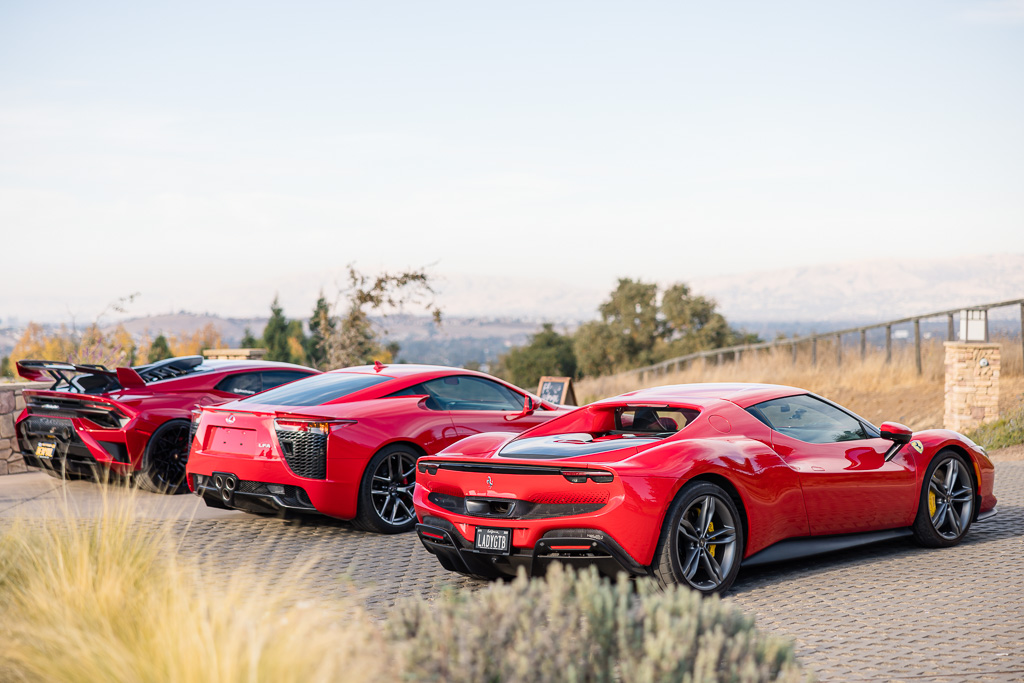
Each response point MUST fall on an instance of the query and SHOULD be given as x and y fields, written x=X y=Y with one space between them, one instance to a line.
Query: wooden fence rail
x=736 y=352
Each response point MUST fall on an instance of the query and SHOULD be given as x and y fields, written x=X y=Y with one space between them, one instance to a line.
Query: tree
x=159 y=350
x=355 y=340
x=113 y=349
x=632 y=312
x=206 y=337
x=627 y=332
x=296 y=343
x=283 y=339
x=640 y=327
x=6 y=369
x=36 y=344
x=248 y=340
x=548 y=353
x=599 y=350
x=275 y=334
x=321 y=326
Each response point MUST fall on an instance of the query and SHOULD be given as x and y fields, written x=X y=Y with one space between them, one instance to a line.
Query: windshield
x=318 y=389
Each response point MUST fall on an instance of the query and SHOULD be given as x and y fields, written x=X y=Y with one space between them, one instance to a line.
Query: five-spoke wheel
x=701 y=542
x=385 y=497
x=947 y=502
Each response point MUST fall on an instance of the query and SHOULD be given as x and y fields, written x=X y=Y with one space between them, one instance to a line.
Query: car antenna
x=378 y=366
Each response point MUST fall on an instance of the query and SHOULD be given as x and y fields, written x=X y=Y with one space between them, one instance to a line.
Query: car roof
x=742 y=394
x=220 y=365
x=403 y=370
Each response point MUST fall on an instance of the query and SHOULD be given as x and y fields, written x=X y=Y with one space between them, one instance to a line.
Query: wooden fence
x=736 y=352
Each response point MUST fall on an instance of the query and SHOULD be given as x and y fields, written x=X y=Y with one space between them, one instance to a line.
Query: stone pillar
x=972 y=385
x=12 y=402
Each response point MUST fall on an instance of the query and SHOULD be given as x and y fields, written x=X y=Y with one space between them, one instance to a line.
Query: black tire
x=163 y=463
x=684 y=554
x=385 y=493
x=946 y=507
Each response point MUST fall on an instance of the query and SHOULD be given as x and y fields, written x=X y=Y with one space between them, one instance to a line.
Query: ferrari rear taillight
x=582 y=476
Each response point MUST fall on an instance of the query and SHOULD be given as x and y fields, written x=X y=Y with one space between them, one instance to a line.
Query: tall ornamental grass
x=109 y=600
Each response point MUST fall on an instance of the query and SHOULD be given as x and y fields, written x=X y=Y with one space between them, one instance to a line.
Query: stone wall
x=972 y=385
x=235 y=354
x=11 y=405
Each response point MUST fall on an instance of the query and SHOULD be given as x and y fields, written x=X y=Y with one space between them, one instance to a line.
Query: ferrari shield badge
x=917 y=446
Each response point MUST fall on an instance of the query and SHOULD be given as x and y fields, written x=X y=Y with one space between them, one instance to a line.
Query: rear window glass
x=652 y=420
x=244 y=384
x=317 y=389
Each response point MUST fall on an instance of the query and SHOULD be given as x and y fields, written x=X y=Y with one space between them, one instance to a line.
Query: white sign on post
x=973 y=326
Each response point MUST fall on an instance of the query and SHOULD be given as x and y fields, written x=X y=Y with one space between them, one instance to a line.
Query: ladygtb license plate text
x=490 y=540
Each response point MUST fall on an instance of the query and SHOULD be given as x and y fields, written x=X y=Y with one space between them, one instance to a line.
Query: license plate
x=45 y=450
x=494 y=541
x=233 y=441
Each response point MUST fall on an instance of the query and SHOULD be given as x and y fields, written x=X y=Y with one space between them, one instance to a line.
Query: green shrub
x=579 y=627
x=1006 y=431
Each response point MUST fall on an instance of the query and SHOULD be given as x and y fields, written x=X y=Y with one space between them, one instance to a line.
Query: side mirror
x=529 y=406
x=898 y=434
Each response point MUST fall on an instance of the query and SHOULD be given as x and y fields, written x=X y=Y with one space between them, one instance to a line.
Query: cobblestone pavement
x=892 y=611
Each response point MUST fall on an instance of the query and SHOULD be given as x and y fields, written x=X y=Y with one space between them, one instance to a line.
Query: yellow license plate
x=45 y=450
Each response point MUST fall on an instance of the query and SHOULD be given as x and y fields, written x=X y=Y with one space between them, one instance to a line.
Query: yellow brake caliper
x=711 y=548
x=931 y=503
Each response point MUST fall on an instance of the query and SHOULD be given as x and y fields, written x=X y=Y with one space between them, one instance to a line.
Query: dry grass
x=875 y=390
x=108 y=600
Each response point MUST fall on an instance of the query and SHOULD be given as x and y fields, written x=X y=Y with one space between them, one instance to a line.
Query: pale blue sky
x=209 y=154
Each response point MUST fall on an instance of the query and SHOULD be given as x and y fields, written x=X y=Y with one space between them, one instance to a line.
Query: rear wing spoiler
x=47 y=370
x=126 y=378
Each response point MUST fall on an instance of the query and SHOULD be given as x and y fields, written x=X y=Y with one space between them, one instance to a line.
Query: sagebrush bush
x=578 y=627
x=1004 y=432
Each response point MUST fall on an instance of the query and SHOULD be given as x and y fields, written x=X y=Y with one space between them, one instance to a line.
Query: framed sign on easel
x=557 y=390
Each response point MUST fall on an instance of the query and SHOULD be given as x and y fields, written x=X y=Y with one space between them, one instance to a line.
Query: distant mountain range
x=790 y=301
x=865 y=291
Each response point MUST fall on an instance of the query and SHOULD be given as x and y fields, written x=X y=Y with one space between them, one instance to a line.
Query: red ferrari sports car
x=686 y=483
x=130 y=421
x=345 y=443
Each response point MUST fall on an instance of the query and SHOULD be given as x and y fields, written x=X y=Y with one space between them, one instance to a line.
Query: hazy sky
x=209 y=154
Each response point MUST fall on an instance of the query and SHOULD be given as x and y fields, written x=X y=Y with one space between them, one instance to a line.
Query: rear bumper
x=326 y=496
x=987 y=514
x=227 y=491
x=77 y=450
x=578 y=547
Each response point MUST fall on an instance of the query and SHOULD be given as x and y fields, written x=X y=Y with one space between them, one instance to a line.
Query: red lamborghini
x=345 y=443
x=686 y=483
x=130 y=421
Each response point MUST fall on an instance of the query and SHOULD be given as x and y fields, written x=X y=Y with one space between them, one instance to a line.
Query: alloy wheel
x=950 y=498
x=706 y=543
x=391 y=488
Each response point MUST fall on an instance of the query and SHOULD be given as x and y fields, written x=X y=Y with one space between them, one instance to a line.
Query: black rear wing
x=99 y=379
